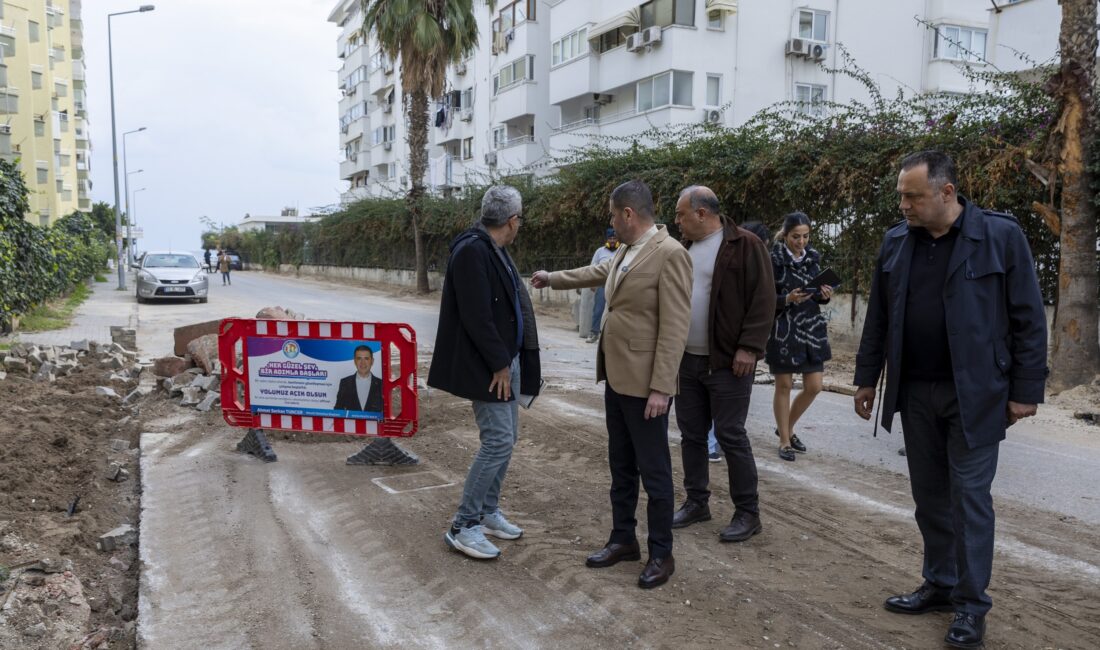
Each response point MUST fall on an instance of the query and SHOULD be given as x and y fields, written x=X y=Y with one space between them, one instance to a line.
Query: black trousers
x=720 y=397
x=951 y=484
x=637 y=447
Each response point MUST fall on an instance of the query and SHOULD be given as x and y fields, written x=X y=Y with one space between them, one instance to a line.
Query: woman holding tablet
x=800 y=338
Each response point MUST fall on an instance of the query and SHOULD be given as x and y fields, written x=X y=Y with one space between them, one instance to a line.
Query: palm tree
x=427 y=36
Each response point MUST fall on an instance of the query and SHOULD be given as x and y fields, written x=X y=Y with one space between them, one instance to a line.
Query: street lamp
x=126 y=197
x=114 y=143
x=126 y=175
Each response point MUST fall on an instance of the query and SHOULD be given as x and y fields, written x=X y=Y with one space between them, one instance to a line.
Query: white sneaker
x=471 y=541
x=499 y=527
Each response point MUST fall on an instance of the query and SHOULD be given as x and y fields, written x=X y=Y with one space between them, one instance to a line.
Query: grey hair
x=499 y=204
x=701 y=197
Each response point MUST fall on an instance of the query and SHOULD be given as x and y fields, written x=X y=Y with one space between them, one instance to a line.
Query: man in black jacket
x=956 y=317
x=361 y=391
x=486 y=351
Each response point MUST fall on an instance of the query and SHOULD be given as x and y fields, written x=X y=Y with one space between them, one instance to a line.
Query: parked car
x=235 y=263
x=168 y=275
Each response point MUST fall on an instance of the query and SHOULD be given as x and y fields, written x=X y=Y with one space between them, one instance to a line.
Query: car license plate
x=175 y=289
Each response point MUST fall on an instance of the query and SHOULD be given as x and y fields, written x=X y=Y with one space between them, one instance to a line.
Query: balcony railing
x=594 y=121
x=515 y=142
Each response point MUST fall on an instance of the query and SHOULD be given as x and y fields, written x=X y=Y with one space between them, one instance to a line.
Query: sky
x=239 y=100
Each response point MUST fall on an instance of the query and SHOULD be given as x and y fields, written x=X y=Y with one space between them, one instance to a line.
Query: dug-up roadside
x=70 y=483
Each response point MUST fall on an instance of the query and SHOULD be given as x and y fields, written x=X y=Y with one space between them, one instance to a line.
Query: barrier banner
x=345 y=378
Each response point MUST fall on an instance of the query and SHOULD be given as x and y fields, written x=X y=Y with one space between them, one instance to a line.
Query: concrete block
x=137 y=393
x=170 y=366
x=15 y=364
x=208 y=402
x=191 y=396
x=124 y=535
x=117 y=473
x=187 y=333
x=46 y=372
x=118 y=444
x=204 y=351
x=81 y=346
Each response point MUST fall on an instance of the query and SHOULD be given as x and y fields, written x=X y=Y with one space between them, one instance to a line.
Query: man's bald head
x=697 y=212
x=701 y=198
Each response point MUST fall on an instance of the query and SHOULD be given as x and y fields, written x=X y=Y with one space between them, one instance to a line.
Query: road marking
x=381 y=482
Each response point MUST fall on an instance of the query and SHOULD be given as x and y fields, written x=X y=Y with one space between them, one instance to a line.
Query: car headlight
x=199 y=277
x=147 y=276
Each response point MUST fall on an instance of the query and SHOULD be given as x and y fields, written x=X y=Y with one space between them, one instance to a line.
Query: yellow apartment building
x=43 y=105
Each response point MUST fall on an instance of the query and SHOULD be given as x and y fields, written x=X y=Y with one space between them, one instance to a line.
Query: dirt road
x=311 y=553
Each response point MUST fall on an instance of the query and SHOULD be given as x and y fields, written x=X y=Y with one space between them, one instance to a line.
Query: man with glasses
x=487 y=351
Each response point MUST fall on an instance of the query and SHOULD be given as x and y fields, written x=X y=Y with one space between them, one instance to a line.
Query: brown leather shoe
x=613 y=554
x=690 y=513
x=657 y=572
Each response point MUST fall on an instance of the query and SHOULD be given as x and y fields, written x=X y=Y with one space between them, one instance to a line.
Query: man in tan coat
x=648 y=290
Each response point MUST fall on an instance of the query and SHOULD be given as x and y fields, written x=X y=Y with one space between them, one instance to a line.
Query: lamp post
x=126 y=197
x=114 y=142
x=126 y=175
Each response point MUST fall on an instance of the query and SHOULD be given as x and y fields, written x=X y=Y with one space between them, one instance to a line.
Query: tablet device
x=828 y=276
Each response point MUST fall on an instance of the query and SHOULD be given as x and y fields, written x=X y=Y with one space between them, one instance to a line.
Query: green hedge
x=840 y=169
x=36 y=263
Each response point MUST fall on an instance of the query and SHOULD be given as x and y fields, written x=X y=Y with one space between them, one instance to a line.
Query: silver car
x=168 y=275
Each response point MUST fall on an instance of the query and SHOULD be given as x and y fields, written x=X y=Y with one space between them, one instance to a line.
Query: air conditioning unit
x=466 y=115
x=798 y=47
x=491 y=159
x=5 y=129
x=460 y=68
x=634 y=42
x=651 y=35
x=601 y=100
x=712 y=116
x=388 y=145
x=817 y=51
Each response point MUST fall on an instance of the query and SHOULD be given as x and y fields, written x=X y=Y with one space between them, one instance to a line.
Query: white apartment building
x=553 y=75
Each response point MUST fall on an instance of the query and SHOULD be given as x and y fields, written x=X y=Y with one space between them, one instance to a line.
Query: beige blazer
x=645 y=327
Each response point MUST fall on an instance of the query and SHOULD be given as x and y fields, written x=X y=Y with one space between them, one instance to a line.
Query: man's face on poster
x=364 y=359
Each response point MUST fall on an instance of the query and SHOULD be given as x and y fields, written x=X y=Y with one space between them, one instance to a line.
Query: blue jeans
x=712 y=442
x=498 y=423
x=597 y=310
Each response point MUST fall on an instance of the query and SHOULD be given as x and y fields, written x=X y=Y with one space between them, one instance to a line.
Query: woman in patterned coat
x=800 y=338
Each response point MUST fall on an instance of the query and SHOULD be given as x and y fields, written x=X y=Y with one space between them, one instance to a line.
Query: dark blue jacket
x=477 y=323
x=800 y=333
x=996 y=324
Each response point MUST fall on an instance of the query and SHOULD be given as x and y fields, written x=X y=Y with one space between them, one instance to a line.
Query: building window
x=500 y=137
x=518 y=71
x=813 y=25
x=36 y=80
x=384 y=134
x=716 y=20
x=43 y=175
x=513 y=15
x=460 y=99
x=664 y=89
x=613 y=39
x=662 y=13
x=467 y=148
x=810 y=98
x=40 y=128
x=960 y=43
x=32 y=31
x=391 y=171
x=570 y=47
x=714 y=90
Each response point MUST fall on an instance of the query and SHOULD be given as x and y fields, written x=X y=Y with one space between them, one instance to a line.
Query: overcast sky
x=239 y=99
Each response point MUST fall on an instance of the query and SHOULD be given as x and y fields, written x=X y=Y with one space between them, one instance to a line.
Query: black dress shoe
x=613 y=554
x=786 y=453
x=657 y=572
x=690 y=513
x=928 y=598
x=743 y=526
x=796 y=444
x=966 y=631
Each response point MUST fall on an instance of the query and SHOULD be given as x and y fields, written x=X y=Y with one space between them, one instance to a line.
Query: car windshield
x=171 y=261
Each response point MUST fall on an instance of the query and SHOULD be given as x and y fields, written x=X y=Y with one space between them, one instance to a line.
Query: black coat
x=347 y=398
x=996 y=323
x=800 y=334
x=477 y=323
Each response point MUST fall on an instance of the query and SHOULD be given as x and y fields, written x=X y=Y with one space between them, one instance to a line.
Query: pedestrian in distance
x=487 y=351
x=732 y=306
x=648 y=288
x=206 y=260
x=799 y=342
x=956 y=317
x=224 y=267
x=605 y=252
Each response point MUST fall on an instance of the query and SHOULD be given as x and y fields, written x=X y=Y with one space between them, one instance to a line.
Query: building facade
x=553 y=75
x=43 y=104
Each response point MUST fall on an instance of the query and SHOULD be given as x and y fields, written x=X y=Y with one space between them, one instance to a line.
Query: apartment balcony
x=57 y=54
x=360 y=56
x=459 y=130
x=357 y=163
x=623 y=124
x=516 y=100
x=519 y=153
x=681 y=48
x=78 y=70
x=574 y=78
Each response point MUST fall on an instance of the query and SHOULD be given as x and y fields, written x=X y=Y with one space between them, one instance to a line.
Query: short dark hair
x=941 y=168
x=634 y=195
x=759 y=229
x=360 y=349
x=792 y=221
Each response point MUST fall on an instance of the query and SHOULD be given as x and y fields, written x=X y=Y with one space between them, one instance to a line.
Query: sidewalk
x=93 y=320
